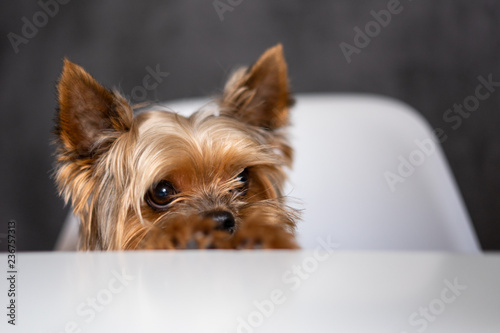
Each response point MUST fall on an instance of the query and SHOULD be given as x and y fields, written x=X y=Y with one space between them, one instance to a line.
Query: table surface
x=322 y=290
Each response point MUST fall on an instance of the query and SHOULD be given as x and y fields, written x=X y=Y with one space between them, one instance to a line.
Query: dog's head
x=125 y=175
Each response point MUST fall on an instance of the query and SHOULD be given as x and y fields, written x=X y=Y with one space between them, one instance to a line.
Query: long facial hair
x=108 y=161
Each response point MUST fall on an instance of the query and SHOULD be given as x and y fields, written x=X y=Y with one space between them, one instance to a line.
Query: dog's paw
x=263 y=236
x=185 y=233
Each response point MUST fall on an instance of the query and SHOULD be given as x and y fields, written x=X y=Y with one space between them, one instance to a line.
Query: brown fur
x=107 y=162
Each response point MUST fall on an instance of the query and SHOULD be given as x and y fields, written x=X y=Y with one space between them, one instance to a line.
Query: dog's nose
x=224 y=220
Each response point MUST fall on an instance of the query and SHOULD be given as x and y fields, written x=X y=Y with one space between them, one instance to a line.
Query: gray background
x=429 y=56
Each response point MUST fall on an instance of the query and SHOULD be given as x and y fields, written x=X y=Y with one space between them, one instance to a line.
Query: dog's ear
x=89 y=116
x=260 y=95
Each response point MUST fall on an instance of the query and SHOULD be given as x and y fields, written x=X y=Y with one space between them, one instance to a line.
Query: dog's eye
x=243 y=179
x=160 y=195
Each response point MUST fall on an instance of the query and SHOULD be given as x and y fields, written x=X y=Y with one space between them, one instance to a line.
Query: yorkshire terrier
x=158 y=180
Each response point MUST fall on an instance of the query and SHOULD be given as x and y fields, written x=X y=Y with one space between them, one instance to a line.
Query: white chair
x=369 y=174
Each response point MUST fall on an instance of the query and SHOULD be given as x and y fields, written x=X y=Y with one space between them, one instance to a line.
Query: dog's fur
x=162 y=181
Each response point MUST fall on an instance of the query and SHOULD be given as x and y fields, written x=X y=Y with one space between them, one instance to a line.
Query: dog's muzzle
x=224 y=220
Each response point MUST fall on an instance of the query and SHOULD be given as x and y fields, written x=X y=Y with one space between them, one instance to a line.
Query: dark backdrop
x=429 y=55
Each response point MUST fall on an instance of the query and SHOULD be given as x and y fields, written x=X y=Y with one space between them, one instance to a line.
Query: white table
x=259 y=291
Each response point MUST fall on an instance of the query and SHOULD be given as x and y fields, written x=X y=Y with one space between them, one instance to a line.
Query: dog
x=158 y=180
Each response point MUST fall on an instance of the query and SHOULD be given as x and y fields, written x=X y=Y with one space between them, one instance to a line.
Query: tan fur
x=107 y=162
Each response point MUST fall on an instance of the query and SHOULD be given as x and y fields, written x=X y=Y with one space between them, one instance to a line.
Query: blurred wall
x=428 y=55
